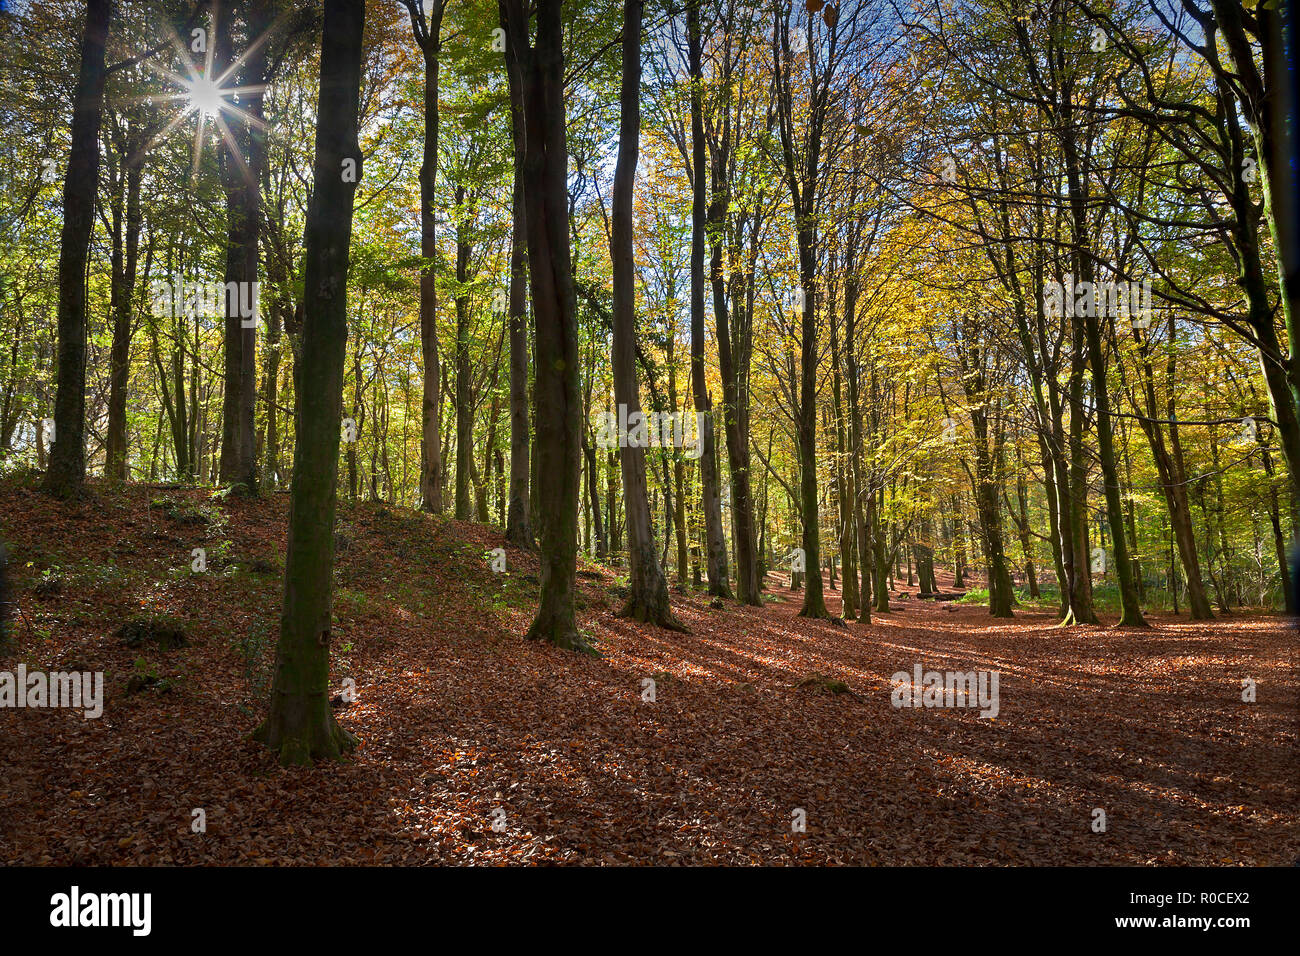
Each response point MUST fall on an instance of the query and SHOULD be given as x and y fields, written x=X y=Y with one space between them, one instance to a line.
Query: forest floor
x=465 y=725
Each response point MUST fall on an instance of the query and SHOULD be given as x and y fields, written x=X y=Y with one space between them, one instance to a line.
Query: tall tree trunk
x=115 y=450
x=484 y=479
x=1081 y=605
x=555 y=360
x=1026 y=547
x=357 y=413
x=843 y=477
x=177 y=406
x=519 y=528
x=1169 y=471
x=66 y=472
x=999 y=494
x=429 y=36
x=464 y=402
x=243 y=156
x=1279 y=538
x=300 y=726
x=596 y=519
x=714 y=536
x=1267 y=100
x=679 y=467
x=648 y=590
x=802 y=175
x=879 y=552
x=611 y=502
x=813 y=603
x=990 y=519
x=861 y=491
x=733 y=336
x=735 y=423
x=271 y=383
x=958 y=545
x=925 y=558
x=1130 y=606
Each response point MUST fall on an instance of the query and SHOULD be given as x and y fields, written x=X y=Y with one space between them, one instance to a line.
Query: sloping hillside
x=480 y=747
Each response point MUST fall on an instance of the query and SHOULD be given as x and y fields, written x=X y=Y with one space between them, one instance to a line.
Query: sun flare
x=206 y=96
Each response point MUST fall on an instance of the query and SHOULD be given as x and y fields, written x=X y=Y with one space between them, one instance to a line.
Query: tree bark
x=802 y=176
x=861 y=491
x=648 y=590
x=243 y=156
x=733 y=324
x=300 y=726
x=1026 y=547
x=597 y=521
x=464 y=403
x=714 y=536
x=429 y=36
x=1173 y=483
x=679 y=468
x=1130 y=606
x=1267 y=98
x=843 y=475
x=555 y=345
x=990 y=520
x=124 y=273
x=66 y=473
x=519 y=528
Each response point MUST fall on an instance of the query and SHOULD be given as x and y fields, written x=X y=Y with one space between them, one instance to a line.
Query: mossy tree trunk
x=300 y=726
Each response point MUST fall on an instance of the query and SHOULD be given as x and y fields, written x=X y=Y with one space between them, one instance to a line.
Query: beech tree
x=243 y=162
x=67 y=467
x=715 y=544
x=540 y=66
x=519 y=526
x=300 y=725
x=648 y=597
x=426 y=22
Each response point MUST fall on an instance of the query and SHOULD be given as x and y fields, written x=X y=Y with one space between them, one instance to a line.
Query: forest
x=507 y=407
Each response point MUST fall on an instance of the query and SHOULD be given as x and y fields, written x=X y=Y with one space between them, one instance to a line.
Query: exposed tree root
x=318 y=738
x=560 y=634
x=647 y=612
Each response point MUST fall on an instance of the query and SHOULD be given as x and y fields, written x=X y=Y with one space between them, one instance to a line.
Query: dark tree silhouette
x=67 y=467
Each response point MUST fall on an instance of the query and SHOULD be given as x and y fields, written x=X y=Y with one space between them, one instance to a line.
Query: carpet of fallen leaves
x=465 y=725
